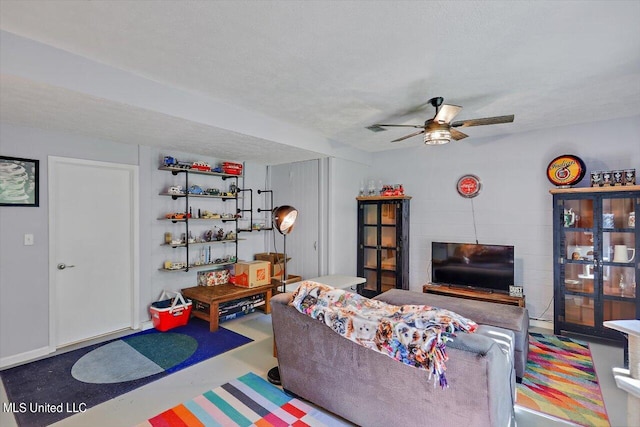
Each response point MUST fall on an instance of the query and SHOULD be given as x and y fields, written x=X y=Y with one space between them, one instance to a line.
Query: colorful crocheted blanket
x=413 y=334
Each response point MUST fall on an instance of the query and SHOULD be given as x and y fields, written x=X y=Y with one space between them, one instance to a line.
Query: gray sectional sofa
x=371 y=389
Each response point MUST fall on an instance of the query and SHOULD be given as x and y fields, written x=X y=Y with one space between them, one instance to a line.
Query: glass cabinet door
x=578 y=274
x=380 y=237
x=618 y=258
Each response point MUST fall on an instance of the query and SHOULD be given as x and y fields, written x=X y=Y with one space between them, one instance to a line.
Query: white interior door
x=93 y=229
x=297 y=185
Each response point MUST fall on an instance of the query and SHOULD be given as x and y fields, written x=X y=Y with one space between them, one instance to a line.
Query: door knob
x=62 y=266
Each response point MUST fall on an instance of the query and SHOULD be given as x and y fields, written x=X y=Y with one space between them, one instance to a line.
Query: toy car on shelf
x=169 y=265
x=176 y=215
x=176 y=189
x=196 y=189
x=232 y=168
x=170 y=161
x=201 y=166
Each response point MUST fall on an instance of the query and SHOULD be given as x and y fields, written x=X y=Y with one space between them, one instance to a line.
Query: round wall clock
x=566 y=170
x=468 y=186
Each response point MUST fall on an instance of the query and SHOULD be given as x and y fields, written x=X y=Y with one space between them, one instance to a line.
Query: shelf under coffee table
x=213 y=296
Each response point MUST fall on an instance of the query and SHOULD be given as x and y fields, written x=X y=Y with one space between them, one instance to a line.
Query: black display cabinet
x=383 y=244
x=596 y=265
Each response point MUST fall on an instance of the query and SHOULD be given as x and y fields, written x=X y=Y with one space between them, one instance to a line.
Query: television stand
x=475 y=294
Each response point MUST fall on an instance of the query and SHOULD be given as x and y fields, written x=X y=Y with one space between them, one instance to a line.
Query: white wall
x=344 y=185
x=24 y=282
x=514 y=206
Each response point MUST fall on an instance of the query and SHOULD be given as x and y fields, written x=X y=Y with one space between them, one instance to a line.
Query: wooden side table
x=213 y=296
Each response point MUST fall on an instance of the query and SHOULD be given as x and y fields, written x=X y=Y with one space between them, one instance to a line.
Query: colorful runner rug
x=245 y=401
x=560 y=380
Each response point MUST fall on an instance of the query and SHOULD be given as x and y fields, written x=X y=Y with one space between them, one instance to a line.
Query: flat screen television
x=472 y=265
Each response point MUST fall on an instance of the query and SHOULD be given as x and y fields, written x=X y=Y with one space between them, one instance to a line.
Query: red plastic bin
x=169 y=313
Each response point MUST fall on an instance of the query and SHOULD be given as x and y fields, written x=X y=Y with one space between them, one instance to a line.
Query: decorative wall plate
x=468 y=186
x=566 y=170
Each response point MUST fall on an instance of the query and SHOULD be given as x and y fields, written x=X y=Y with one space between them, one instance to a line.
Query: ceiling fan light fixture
x=437 y=137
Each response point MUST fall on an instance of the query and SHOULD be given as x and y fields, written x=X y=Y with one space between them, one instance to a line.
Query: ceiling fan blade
x=408 y=136
x=401 y=126
x=447 y=113
x=457 y=135
x=484 y=121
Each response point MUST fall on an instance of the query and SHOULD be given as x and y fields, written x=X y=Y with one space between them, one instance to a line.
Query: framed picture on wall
x=19 y=181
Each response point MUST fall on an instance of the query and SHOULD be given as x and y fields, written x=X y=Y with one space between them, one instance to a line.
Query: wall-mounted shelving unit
x=187 y=217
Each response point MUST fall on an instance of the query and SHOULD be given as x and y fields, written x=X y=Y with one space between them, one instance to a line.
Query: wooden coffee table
x=213 y=296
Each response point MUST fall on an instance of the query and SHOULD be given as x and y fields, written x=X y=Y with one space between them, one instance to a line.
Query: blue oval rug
x=133 y=358
x=65 y=381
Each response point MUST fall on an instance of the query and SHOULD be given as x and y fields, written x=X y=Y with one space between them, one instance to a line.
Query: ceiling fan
x=440 y=129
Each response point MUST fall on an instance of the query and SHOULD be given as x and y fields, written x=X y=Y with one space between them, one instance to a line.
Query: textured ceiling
x=329 y=68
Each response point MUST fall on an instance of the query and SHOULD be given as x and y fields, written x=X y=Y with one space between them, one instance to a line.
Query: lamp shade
x=284 y=217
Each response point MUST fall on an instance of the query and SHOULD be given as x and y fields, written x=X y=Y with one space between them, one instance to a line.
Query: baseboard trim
x=27 y=356
x=541 y=324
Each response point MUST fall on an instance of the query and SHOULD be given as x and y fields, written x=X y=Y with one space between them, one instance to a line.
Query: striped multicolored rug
x=245 y=401
x=560 y=380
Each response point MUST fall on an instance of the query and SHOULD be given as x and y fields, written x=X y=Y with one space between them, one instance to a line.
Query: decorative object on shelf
x=569 y=218
x=19 y=182
x=630 y=177
x=614 y=178
x=389 y=190
x=608 y=220
x=201 y=166
x=469 y=186
x=176 y=189
x=566 y=170
x=232 y=168
x=632 y=220
x=284 y=218
x=621 y=253
x=515 y=291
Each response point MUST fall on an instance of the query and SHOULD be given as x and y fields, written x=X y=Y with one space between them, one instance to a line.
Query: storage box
x=252 y=273
x=277 y=262
x=170 y=313
x=213 y=277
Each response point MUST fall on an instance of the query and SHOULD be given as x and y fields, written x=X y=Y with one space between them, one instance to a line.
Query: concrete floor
x=140 y=404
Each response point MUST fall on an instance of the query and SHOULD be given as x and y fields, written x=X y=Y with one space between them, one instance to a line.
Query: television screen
x=472 y=265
